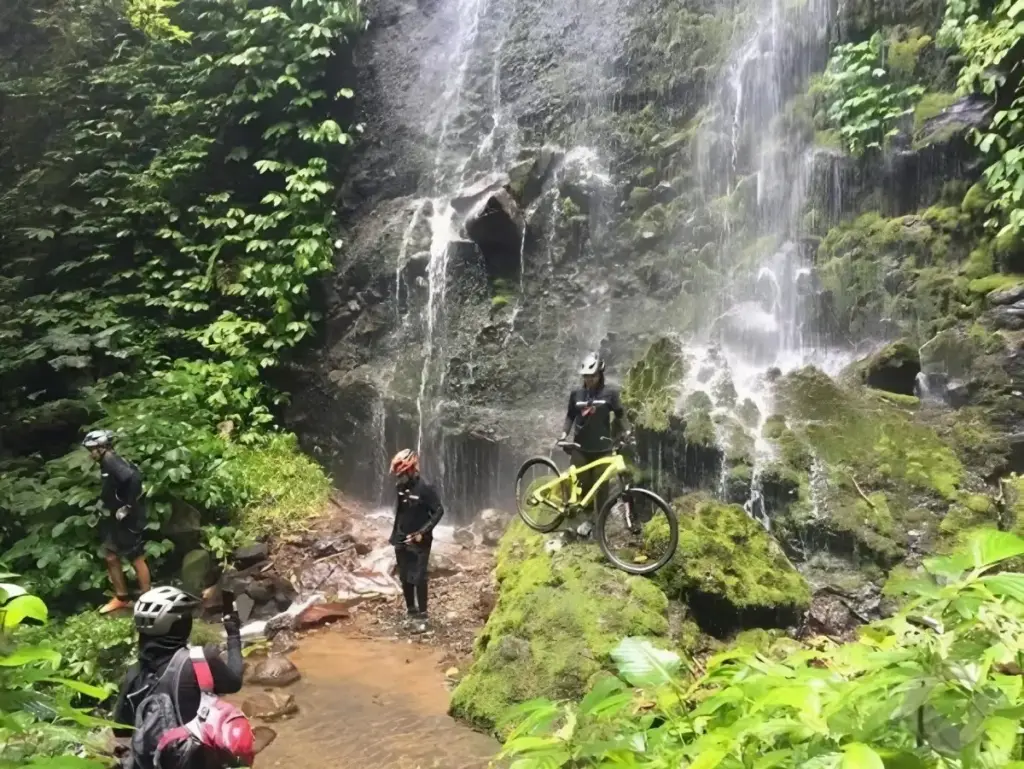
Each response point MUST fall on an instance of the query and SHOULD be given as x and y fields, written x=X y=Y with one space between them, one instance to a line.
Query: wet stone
x=274 y=671
x=270 y=706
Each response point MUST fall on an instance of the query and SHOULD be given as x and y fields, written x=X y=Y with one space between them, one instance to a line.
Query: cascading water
x=754 y=176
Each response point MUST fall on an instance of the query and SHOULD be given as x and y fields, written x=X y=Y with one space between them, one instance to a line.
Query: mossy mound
x=730 y=571
x=893 y=369
x=557 y=618
x=884 y=471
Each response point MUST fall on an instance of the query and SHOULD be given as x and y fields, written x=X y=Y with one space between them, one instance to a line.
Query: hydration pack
x=219 y=736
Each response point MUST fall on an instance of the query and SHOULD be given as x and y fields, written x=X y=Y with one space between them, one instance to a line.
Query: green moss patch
x=885 y=471
x=557 y=618
x=730 y=571
x=652 y=385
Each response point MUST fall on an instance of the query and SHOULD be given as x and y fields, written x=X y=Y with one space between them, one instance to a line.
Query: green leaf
x=1006 y=585
x=28 y=655
x=643 y=664
x=96 y=692
x=20 y=608
x=987 y=547
x=708 y=759
x=602 y=691
x=857 y=755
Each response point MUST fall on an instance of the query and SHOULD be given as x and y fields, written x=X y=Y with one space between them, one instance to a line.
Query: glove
x=122 y=512
x=232 y=623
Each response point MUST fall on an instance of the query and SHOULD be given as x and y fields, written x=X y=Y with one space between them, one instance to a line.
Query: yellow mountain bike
x=648 y=526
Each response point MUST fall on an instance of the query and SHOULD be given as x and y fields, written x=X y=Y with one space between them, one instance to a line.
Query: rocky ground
x=340 y=573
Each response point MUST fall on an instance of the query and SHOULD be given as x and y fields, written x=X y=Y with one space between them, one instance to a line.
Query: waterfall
x=755 y=177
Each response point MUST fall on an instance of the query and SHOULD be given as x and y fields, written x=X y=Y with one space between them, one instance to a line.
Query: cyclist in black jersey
x=589 y=417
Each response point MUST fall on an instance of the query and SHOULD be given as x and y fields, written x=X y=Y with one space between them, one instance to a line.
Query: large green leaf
x=987 y=547
x=643 y=664
x=29 y=654
x=17 y=610
x=1005 y=585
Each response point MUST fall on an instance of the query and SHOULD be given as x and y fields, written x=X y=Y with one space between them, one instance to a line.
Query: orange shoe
x=115 y=604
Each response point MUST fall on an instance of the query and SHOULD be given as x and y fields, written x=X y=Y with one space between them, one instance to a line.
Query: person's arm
x=227 y=674
x=433 y=503
x=570 y=415
x=129 y=487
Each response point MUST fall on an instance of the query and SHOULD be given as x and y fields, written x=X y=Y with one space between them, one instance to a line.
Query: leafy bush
x=985 y=35
x=937 y=685
x=39 y=725
x=94 y=649
x=176 y=206
x=863 y=103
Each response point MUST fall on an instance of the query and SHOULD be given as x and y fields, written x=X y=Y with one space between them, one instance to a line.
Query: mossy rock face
x=730 y=571
x=651 y=386
x=557 y=618
x=884 y=473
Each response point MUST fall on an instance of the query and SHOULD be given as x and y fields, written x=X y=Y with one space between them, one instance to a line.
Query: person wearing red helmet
x=418 y=510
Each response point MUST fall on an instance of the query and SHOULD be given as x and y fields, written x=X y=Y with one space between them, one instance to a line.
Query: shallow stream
x=369 y=704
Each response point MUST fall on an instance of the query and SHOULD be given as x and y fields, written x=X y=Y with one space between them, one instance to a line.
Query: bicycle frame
x=616 y=465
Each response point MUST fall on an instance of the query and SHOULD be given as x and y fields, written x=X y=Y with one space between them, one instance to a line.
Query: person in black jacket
x=590 y=411
x=163 y=617
x=417 y=511
x=123 y=528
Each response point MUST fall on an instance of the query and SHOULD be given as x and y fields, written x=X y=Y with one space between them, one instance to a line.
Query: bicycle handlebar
x=616 y=445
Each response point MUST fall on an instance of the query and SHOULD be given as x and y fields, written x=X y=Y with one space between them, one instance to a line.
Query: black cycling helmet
x=592 y=365
x=99 y=439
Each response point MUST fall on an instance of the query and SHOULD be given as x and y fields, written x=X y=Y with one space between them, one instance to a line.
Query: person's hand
x=414 y=538
x=122 y=512
x=232 y=623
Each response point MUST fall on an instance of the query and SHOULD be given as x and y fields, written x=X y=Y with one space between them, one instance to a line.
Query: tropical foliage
x=40 y=724
x=937 y=685
x=166 y=197
x=987 y=36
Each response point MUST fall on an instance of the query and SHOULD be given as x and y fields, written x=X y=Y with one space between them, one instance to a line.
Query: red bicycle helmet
x=405 y=462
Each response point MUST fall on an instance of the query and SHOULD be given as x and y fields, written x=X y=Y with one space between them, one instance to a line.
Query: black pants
x=589 y=478
x=413 y=566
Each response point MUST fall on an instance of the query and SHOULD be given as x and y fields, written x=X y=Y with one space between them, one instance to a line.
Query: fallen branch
x=861 y=492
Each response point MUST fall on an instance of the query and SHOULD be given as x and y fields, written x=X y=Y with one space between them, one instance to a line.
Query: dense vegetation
x=165 y=201
x=936 y=685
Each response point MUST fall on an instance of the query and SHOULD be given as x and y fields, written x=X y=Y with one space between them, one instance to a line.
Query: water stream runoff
x=371 y=703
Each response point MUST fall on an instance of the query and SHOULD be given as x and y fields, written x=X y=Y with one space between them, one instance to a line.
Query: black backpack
x=219 y=735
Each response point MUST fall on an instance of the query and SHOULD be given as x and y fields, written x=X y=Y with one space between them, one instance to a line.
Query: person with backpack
x=169 y=695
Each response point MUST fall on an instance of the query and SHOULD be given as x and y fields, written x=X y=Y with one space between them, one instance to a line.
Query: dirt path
x=367 y=702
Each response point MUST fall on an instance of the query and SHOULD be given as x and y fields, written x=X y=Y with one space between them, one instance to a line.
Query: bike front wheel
x=541 y=513
x=637 y=531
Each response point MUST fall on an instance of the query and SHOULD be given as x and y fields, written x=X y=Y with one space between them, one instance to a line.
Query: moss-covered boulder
x=558 y=616
x=893 y=369
x=884 y=476
x=730 y=571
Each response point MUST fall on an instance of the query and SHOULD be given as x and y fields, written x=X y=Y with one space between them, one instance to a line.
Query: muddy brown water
x=369 y=703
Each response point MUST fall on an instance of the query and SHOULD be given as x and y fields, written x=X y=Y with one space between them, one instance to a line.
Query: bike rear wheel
x=654 y=540
x=536 y=513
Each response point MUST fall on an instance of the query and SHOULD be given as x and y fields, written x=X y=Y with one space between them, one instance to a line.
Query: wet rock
x=442 y=565
x=468 y=198
x=196 y=570
x=184 y=528
x=497 y=226
x=970 y=112
x=250 y=555
x=491 y=525
x=269 y=706
x=1006 y=296
x=319 y=614
x=464 y=537
x=283 y=643
x=417 y=265
x=1008 y=317
x=527 y=177
x=274 y=671
x=263 y=737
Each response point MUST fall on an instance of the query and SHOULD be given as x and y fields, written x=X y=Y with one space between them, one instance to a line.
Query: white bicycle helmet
x=591 y=365
x=99 y=439
x=158 y=609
